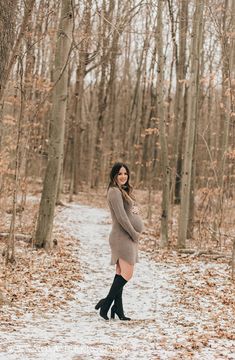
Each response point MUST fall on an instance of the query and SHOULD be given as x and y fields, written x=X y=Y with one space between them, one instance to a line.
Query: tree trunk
x=196 y=45
x=9 y=23
x=7 y=32
x=163 y=142
x=102 y=96
x=79 y=122
x=56 y=140
x=179 y=98
x=226 y=104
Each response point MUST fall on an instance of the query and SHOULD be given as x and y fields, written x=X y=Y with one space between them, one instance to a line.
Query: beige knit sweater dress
x=126 y=228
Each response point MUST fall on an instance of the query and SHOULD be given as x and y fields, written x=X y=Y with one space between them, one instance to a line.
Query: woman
x=126 y=229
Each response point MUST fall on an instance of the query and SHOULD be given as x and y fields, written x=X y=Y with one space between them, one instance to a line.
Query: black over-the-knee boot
x=104 y=304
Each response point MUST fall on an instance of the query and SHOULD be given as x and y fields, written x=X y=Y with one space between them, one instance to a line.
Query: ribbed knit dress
x=126 y=228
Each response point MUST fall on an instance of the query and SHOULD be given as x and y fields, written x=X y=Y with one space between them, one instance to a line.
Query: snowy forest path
x=162 y=326
x=79 y=332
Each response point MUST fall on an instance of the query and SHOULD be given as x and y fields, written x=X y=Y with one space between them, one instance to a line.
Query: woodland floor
x=183 y=307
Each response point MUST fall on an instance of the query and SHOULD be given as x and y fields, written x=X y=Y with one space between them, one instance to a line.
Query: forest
x=84 y=84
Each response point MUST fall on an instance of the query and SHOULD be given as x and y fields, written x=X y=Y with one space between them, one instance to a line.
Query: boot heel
x=112 y=312
x=99 y=304
x=121 y=316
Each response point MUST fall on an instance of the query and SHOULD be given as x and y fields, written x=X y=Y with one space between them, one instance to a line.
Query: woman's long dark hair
x=125 y=189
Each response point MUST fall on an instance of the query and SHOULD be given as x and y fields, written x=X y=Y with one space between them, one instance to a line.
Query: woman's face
x=122 y=176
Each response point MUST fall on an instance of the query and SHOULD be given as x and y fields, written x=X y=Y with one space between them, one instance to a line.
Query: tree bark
x=179 y=97
x=43 y=234
x=7 y=32
x=163 y=142
x=227 y=106
x=79 y=122
x=196 y=45
x=11 y=6
x=102 y=94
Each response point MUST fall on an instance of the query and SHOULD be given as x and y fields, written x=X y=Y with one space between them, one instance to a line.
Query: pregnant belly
x=136 y=222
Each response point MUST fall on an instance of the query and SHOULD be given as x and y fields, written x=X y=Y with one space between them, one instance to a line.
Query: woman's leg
x=126 y=269
x=104 y=304
x=119 y=281
x=118 y=269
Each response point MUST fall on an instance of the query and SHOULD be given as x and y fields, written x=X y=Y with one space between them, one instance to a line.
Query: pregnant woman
x=126 y=229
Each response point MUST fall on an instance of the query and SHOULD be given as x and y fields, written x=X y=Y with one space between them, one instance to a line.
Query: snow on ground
x=162 y=326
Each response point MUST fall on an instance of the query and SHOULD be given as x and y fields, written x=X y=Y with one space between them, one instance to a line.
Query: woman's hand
x=135 y=209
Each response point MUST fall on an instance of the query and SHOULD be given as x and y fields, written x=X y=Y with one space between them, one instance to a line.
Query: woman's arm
x=116 y=202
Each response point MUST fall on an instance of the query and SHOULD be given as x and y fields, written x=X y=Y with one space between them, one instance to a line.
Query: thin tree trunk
x=80 y=125
x=102 y=95
x=10 y=247
x=163 y=142
x=179 y=98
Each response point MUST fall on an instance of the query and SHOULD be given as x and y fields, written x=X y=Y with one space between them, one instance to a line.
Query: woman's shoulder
x=113 y=191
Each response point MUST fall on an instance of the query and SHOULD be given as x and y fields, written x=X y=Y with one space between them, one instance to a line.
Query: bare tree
x=47 y=205
x=77 y=116
x=180 y=64
x=163 y=141
x=192 y=113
